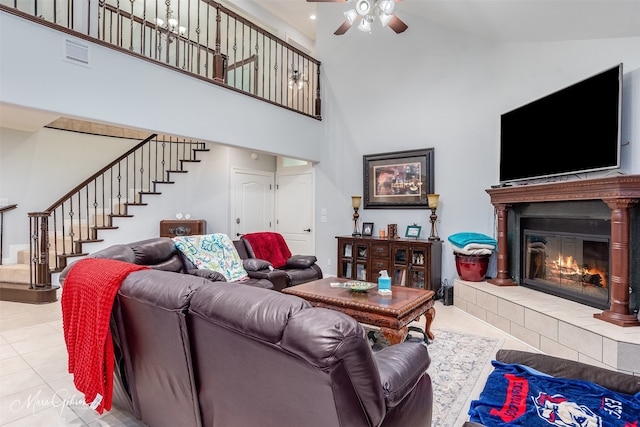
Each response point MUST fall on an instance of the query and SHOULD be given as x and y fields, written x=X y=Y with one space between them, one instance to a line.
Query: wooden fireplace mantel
x=620 y=193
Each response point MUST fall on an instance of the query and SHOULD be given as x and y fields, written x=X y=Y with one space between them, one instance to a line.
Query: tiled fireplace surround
x=554 y=325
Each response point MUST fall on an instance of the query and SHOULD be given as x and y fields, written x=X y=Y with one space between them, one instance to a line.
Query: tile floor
x=36 y=390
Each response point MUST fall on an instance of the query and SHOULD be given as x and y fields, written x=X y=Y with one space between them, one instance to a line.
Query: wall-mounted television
x=573 y=130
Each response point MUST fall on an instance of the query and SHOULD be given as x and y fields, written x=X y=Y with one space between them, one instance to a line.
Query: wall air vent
x=76 y=53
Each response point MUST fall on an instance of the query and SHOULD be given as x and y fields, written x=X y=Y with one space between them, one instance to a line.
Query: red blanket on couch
x=88 y=293
x=269 y=247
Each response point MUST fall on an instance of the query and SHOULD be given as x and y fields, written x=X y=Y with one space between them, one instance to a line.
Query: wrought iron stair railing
x=58 y=232
x=201 y=38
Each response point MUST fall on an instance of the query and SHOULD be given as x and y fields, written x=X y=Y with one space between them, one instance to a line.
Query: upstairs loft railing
x=201 y=38
x=58 y=232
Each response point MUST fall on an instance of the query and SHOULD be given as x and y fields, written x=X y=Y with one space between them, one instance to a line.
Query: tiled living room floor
x=36 y=390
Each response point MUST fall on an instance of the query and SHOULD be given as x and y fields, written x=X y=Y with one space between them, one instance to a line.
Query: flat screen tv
x=573 y=130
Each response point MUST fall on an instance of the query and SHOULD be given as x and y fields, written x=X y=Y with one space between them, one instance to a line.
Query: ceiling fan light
x=385 y=19
x=387 y=6
x=350 y=16
x=363 y=7
x=364 y=26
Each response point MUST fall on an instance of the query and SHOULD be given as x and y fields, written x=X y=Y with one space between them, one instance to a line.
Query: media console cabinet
x=415 y=263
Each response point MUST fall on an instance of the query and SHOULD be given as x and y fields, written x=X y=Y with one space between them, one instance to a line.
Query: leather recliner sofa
x=298 y=268
x=193 y=352
x=161 y=254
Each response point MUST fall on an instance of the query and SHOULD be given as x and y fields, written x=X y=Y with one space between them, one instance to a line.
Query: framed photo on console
x=367 y=228
x=400 y=179
x=413 y=231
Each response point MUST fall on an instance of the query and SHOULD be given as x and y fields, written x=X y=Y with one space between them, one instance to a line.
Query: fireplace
x=612 y=200
x=568 y=258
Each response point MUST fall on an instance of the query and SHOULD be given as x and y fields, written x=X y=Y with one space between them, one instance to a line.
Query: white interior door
x=294 y=211
x=252 y=207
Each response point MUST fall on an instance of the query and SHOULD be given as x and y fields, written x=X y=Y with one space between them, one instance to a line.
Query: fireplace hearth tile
x=554 y=348
x=629 y=357
x=530 y=316
x=585 y=342
x=609 y=352
x=477 y=311
x=511 y=310
x=527 y=335
x=498 y=321
x=541 y=323
x=488 y=301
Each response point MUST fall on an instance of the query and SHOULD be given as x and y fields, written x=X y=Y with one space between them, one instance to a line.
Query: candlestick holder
x=355 y=203
x=433 y=205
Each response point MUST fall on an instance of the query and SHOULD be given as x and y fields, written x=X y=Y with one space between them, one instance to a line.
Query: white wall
x=431 y=87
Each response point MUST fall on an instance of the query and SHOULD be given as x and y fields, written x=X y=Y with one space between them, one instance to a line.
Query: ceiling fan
x=367 y=11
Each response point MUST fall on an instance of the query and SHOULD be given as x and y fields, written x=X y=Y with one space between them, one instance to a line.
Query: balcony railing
x=199 y=37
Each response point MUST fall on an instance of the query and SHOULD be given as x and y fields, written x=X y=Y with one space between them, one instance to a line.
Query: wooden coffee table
x=392 y=314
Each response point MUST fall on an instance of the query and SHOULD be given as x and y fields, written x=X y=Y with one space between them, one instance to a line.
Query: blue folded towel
x=463 y=239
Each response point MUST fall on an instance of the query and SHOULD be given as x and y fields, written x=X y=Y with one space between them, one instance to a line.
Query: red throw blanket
x=269 y=247
x=88 y=293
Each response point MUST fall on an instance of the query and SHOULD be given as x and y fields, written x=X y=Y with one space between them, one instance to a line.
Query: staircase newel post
x=40 y=274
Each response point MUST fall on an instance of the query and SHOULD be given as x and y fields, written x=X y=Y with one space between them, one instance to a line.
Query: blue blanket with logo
x=516 y=395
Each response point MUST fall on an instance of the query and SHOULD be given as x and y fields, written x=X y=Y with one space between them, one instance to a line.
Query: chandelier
x=171 y=25
x=366 y=12
x=296 y=80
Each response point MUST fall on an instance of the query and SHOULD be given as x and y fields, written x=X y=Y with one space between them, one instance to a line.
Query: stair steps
x=14 y=273
x=15 y=278
x=20 y=292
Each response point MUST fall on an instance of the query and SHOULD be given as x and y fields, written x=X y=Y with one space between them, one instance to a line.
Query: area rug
x=457 y=360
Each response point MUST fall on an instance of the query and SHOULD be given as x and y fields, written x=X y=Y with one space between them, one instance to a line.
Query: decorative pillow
x=213 y=252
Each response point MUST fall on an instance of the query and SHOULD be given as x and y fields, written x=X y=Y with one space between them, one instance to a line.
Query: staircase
x=59 y=233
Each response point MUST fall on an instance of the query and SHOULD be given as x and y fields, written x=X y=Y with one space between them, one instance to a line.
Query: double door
x=409 y=262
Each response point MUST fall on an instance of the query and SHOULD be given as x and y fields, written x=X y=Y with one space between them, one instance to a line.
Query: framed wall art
x=400 y=179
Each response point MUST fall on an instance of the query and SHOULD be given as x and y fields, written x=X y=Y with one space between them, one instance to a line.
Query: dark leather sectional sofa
x=195 y=352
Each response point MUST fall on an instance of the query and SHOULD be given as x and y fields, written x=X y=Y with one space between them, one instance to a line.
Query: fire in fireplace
x=572 y=265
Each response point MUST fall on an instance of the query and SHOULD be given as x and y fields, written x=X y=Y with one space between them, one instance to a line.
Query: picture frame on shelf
x=400 y=179
x=367 y=229
x=347 y=251
x=362 y=251
x=413 y=231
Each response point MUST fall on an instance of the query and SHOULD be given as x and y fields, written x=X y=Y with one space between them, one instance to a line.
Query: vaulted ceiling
x=499 y=20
